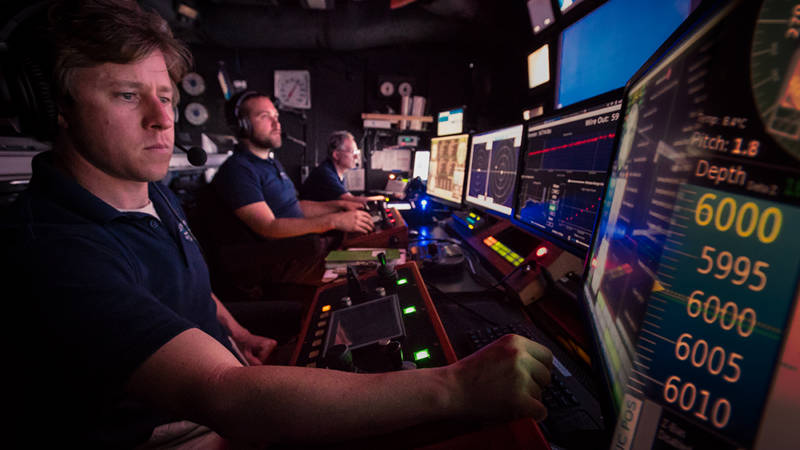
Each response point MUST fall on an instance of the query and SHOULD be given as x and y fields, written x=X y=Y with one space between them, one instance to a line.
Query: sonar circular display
x=503 y=171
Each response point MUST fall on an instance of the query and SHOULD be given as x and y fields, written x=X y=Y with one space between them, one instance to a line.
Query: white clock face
x=293 y=88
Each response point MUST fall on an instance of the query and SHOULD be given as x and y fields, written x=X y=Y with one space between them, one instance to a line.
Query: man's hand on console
x=357 y=220
x=504 y=379
x=255 y=349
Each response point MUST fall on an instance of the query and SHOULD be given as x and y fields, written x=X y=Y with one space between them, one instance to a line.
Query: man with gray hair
x=326 y=181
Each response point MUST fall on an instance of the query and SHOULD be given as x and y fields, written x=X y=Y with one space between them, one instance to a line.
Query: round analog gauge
x=775 y=71
x=193 y=84
x=404 y=89
x=195 y=113
x=387 y=88
x=293 y=88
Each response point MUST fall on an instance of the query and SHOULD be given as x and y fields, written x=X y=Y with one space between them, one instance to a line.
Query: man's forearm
x=313 y=209
x=291 y=227
x=361 y=404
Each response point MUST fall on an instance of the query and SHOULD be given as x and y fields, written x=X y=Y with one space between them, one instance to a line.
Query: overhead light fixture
x=318 y=4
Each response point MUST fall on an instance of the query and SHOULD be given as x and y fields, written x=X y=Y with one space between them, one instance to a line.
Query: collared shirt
x=100 y=291
x=323 y=183
x=244 y=178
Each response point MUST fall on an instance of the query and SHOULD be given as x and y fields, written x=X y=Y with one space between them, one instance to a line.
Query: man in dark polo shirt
x=326 y=181
x=261 y=237
x=123 y=342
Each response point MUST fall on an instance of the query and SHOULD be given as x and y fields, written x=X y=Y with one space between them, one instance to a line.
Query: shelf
x=395 y=117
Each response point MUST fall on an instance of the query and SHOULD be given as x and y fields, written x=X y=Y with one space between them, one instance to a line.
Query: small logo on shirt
x=284 y=176
x=184 y=231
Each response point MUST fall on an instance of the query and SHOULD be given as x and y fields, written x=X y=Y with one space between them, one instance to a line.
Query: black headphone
x=236 y=119
x=25 y=87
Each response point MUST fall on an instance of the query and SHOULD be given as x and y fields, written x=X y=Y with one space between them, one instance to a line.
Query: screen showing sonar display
x=493 y=169
x=694 y=268
x=564 y=170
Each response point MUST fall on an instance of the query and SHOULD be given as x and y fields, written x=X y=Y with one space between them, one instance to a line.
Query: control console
x=378 y=322
x=390 y=229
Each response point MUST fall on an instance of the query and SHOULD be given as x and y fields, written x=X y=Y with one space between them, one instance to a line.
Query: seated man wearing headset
x=258 y=232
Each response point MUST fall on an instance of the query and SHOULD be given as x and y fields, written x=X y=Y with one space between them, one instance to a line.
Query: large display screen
x=564 y=170
x=601 y=51
x=493 y=169
x=694 y=269
x=447 y=168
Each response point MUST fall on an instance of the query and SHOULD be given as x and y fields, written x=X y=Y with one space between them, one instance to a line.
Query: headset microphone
x=196 y=155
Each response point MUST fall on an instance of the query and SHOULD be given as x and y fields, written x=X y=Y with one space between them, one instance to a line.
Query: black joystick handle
x=387 y=275
x=355 y=291
x=339 y=357
x=393 y=352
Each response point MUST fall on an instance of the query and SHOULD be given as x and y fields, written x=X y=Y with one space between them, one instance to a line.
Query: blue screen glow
x=600 y=52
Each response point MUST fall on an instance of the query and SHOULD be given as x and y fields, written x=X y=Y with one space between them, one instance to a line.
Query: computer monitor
x=493 y=169
x=602 y=50
x=541 y=14
x=539 y=66
x=422 y=159
x=694 y=269
x=447 y=168
x=564 y=170
x=450 y=122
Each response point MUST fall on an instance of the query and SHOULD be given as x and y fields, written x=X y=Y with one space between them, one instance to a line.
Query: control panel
x=378 y=322
x=391 y=230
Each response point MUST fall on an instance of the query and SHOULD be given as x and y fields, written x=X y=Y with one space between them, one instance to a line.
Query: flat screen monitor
x=539 y=66
x=447 y=168
x=564 y=170
x=693 y=273
x=422 y=159
x=601 y=51
x=565 y=5
x=541 y=14
x=450 y=122
x=493 y=169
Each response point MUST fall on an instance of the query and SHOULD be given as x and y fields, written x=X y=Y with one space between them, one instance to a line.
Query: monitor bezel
x=599 y=366
x=522 y=145
x=445 y=201
x=595 y=101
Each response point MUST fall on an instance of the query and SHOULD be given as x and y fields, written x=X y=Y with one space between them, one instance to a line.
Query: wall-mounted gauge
x=193 y=84
x=195 y=113
x=387 y=88
x=775 y=71
x=293 y=88
x=404 y=89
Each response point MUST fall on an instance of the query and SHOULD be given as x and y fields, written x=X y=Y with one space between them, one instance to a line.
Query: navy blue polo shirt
x=100 y=291
x=244 y=178
x=323 y=183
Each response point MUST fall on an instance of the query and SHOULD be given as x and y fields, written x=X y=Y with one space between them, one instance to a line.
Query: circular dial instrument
x=293 y=88
x=195 y=113
x=193 y=84
x=404 y=89
x=387 y=88
x=775 y=71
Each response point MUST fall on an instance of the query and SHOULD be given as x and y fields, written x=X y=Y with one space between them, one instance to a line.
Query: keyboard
x=571 y=405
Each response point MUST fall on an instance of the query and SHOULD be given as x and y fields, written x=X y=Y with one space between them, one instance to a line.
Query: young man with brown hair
x=125 y=344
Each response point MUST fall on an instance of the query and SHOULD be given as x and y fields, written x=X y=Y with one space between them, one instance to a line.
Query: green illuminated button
x=410 y=310
x=421 y=354
x=402 y=281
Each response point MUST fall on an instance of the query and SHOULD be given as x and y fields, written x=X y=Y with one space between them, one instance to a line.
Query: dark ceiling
x=349 y=25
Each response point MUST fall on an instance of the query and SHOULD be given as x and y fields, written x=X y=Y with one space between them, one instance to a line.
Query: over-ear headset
x=25 y=88
x=240 y=121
